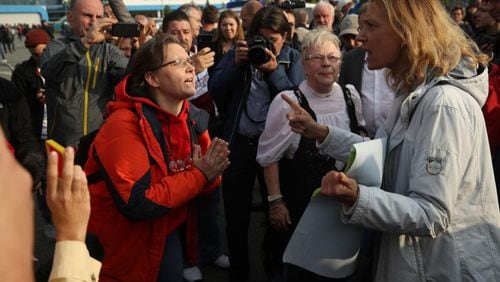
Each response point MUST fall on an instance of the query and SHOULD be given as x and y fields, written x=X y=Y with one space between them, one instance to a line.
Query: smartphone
x=205 y=40
x=125 y=30
x=52 y=146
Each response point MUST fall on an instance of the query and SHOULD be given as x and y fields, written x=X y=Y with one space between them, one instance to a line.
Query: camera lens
x=257 y=55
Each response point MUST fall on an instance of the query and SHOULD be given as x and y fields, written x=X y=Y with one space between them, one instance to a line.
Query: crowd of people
x=8 y=34
x=162 y=126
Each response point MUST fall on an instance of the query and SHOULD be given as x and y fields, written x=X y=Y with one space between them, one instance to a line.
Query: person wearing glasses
x=436 y=212
x=153 y=157
x=244 y=83
x=293 y=168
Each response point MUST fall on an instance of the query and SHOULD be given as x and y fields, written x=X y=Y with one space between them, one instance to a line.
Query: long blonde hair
x=431 y=40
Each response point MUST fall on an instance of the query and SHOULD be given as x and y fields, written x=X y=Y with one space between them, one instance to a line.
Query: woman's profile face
x=276 y=38
x=322 y=65
x=176 y=78
x=228 y=28
x=382 y=45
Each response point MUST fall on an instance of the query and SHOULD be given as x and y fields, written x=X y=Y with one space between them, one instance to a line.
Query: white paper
x=368 y=165
x=322 y=243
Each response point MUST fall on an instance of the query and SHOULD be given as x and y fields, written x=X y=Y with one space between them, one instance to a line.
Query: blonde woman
x=437 y=210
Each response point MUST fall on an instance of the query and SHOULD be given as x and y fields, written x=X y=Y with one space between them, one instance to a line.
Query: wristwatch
x=273 y=198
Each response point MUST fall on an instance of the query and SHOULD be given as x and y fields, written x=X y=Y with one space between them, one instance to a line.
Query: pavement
x=14 y=58
x=256 y=229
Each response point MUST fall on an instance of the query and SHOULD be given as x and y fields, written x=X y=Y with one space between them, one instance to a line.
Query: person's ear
x=70 y=17
x=152 y=79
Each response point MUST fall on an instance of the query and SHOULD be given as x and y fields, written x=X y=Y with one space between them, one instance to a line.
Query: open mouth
x=189 y=81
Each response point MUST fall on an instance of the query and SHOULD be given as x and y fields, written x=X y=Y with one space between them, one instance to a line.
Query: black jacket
x=15 y=122
x=27 y=81
x=351 y=70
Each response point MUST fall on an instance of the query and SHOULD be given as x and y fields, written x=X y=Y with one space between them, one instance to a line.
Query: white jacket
x=437 y=210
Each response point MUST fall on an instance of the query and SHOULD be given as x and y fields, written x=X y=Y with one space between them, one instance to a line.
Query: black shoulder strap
x=351 y=111
x=150 y=115
x=303 y=102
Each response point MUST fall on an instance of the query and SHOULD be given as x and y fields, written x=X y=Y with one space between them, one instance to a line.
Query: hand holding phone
x=52 y=146
x=68 y=197
x=125 y=30
x=205 y=40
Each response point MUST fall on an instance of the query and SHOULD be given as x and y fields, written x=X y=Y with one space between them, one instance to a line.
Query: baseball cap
x=349 y=25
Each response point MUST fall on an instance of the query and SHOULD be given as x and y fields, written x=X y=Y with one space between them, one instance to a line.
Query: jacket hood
x=123 y=99
x=470 y=79
x=473 y=81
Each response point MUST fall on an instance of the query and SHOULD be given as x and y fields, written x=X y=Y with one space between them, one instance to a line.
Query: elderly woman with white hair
x=293 y=168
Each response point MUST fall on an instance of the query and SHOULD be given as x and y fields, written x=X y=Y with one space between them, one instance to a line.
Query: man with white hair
x=194 y=13
x=323 y=15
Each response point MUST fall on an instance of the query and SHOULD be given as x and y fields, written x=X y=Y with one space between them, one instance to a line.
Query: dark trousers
x=209 y=237
x=237 y=186
x=172 y=262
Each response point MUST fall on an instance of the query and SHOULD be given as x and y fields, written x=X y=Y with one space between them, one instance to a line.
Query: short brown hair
x=147 y=58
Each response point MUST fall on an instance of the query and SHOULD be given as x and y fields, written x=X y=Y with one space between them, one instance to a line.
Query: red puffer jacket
x=141 y=201
x=491 y=109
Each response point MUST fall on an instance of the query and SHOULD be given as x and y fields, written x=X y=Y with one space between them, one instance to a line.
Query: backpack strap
x=351 y=112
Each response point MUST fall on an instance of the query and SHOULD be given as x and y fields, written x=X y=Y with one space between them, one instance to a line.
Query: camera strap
x=249 y=73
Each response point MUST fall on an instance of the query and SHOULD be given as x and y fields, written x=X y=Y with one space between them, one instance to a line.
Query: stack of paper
x=321 y=242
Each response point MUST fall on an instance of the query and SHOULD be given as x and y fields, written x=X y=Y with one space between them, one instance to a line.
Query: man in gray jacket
x=80 y=72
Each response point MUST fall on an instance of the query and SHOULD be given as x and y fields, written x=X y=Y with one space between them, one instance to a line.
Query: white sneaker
x=192 y=274
x=4 y=60
x=222 y=261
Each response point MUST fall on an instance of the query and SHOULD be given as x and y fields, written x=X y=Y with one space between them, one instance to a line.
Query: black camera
x=256 y=50
x=292 y=4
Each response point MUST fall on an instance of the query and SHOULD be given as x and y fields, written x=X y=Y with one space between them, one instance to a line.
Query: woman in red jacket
x=152 y=157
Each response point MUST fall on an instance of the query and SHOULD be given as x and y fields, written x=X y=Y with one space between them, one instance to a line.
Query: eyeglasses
x=179 y=62
x=318 y=58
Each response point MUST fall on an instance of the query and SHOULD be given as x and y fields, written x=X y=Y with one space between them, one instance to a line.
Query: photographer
x=244 y=84
x=80 y=71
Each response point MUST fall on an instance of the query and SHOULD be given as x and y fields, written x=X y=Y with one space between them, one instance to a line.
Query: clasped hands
x=214 y=161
